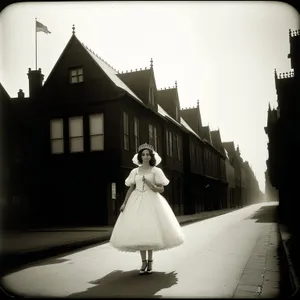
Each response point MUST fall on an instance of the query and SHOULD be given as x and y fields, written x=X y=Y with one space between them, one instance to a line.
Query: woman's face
x=146 y=155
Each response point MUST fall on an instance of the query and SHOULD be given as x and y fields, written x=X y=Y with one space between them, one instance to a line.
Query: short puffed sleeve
x=160 y=177
x=130 y=180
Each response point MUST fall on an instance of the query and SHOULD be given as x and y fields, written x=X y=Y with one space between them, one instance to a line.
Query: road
x=209 y=264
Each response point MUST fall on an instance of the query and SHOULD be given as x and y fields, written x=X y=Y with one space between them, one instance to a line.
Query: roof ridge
x=167 y=89
x=111 y=73
x=188 y=108
x=90 y=50
x=133 y=71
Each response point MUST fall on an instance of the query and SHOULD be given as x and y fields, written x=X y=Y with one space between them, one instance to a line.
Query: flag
x=40 y=27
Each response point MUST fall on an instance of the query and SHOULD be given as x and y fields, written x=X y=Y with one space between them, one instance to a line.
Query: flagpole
x=35 y=46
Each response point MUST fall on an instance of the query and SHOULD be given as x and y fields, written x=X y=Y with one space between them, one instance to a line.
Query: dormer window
x=76 y=75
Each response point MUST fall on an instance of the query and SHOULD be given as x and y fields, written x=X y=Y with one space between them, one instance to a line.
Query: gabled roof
x=108 y=70
x=138 y=81
x=230 y=148
x=162 y=112
x=111 y=73
x=168 y=93
x=226 y=154
x=186 y=125
x=216 y=140
x=182 y=123
x=166 y=98
x=5 y=101
x=193 y=117
x=3 y=90
x=206 y=134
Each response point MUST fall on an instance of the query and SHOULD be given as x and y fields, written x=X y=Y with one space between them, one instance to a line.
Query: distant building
x=271 y=194
x=283 y=127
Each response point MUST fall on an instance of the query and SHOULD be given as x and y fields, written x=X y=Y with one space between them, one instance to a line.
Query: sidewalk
x=291 y=254
x=21 y=248
x=270 y=270
x=261 y=276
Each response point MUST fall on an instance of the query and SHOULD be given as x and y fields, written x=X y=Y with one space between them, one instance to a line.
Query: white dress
x=147 y=222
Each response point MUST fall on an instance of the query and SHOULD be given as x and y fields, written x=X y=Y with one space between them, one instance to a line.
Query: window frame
x=57 y=138
x=79 y=76
x=136 y=133
x=100 y=134
x=126 y=131
x=81 y=137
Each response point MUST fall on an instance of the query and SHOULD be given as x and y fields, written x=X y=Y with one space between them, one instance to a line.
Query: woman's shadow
x=129 y=284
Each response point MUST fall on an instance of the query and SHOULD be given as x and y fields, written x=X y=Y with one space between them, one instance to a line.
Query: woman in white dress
x=146 y=222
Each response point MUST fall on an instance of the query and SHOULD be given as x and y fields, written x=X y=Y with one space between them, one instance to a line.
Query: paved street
x=232 y=255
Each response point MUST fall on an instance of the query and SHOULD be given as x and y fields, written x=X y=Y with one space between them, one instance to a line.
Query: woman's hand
x=148 y=182
x=122 y=207
x=152 y=186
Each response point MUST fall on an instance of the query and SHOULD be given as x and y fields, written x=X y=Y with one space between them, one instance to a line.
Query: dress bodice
x=140 y=185
x=154 y=175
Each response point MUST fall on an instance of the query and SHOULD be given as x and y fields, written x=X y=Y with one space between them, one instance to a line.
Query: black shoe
x=143 y=269
x=149 y=266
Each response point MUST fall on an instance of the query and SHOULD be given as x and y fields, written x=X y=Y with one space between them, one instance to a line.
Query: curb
x=15 y=261
x=292 y=275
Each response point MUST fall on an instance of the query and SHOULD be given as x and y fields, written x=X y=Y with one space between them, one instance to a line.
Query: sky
x=222 y=53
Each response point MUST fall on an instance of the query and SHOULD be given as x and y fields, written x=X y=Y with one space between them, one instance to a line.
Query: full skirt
x=147 y=223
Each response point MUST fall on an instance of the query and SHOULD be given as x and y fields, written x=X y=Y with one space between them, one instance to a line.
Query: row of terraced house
x=69 y=145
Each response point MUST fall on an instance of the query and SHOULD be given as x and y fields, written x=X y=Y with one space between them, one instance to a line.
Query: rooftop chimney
x=35 y=82
x=21 y=94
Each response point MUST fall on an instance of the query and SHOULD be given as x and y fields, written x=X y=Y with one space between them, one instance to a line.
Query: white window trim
x=79 y=75
x=77 y=136
x=54 y=139
x=169 y=143
x=126 y=131
x=136 y=133
x=155 y=138
x=99 y=134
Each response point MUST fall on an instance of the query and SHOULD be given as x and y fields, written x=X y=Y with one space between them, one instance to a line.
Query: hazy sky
x=222 y=53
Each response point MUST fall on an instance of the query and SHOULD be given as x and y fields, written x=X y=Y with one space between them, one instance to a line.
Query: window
x=175 y=144
x=201 y=159
x=113 y=195
x=179 y=146
x=57 y=136
x=206 y=161
x=136 y=134
x=76 y=75
x=96 y=132
x=169 y=143
x=126 y=131
x=76 y=134
x=153 y=136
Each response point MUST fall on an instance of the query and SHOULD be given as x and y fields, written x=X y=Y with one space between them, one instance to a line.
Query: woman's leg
x=150 y=255
x=144 y=261
x=150 y=260
x=143 y=255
